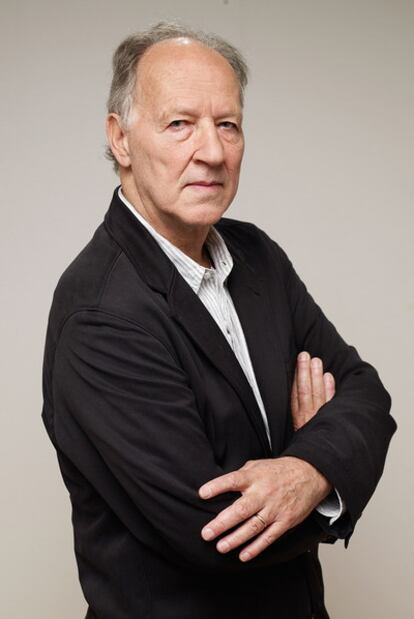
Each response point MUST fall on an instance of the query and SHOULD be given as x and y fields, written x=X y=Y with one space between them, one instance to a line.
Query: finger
x=304 y=383
x=318 y=385
x=269 y=535
x=239 y=511
x=294 y=402
x=329 y=383
x=251 y=528
x=225 y=483
x=299 y=418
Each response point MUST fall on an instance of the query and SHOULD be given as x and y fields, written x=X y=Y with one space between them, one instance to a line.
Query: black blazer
x=145 y=401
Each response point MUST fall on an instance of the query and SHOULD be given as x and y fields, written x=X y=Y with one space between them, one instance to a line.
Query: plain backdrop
x=328 y=173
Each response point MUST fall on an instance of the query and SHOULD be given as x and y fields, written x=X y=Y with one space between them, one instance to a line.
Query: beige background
x=327 y=172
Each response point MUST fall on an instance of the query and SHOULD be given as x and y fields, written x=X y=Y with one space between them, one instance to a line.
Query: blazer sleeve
x=120 y=393
x=347 y=440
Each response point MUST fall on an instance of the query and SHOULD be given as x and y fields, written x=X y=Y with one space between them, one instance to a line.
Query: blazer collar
x=155 y=268
x=246 y=289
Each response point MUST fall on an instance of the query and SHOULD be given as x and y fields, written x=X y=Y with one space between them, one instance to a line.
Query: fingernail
x=245 y=556
x=316 y=363
x=207 y=534
x=223 y=546
x=205 y=493
x=304 y=356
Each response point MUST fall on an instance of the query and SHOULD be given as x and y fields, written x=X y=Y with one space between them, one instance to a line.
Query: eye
x=178 y=124
x=227 y=124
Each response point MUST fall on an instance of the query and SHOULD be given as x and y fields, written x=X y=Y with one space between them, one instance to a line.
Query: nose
x=209 y=147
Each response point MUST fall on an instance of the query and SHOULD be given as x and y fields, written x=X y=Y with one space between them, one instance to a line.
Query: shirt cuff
x=332 y=507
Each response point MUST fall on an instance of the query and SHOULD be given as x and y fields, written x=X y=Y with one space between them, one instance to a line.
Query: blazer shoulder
x=83 y=281
x=237 y=229
x=252 y=242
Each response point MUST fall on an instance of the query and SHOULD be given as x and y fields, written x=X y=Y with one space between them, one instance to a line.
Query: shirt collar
x=189 y=269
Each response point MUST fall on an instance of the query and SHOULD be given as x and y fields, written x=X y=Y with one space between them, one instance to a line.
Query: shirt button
x=207 y=274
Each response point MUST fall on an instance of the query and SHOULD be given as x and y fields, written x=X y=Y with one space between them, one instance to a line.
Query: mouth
x=205 y=185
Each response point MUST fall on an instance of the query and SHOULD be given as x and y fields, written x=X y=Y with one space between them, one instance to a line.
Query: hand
x=310 y=390
x=277 y=494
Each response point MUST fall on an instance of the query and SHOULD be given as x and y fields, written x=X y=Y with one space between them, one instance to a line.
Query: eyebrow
x=176 y=111
x=185 y=111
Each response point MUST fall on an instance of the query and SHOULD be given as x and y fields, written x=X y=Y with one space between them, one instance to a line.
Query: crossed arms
x=284 y=491
x=108 y=368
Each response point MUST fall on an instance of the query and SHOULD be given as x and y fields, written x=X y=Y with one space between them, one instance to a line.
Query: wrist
x=322 y=487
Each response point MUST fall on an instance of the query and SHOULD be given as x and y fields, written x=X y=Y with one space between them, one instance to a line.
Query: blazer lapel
x=193 y=316
x=248 y=291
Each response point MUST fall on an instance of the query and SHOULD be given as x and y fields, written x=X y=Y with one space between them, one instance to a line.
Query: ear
x=117 y=140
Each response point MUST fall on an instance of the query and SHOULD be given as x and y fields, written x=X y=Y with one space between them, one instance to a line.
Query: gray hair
x=131 y=50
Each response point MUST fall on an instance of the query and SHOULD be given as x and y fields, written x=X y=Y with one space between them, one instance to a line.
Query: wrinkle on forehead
x=182 y=66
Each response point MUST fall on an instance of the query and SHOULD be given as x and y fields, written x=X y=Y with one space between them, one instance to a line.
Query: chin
x=206 y=214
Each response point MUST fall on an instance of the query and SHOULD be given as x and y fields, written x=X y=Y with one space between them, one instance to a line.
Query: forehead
x=182 y=69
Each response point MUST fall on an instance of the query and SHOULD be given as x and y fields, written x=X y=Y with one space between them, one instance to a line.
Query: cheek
x=154 y=170
x=234 y=163
x=174 y=160
x=234 y=155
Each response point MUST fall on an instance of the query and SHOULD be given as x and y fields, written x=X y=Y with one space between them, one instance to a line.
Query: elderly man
x=201 y=479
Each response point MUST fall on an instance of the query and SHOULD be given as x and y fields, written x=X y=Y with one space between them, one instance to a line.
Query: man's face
x=185 y=140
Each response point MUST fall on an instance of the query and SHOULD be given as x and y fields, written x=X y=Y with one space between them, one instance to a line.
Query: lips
x=204 y=184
